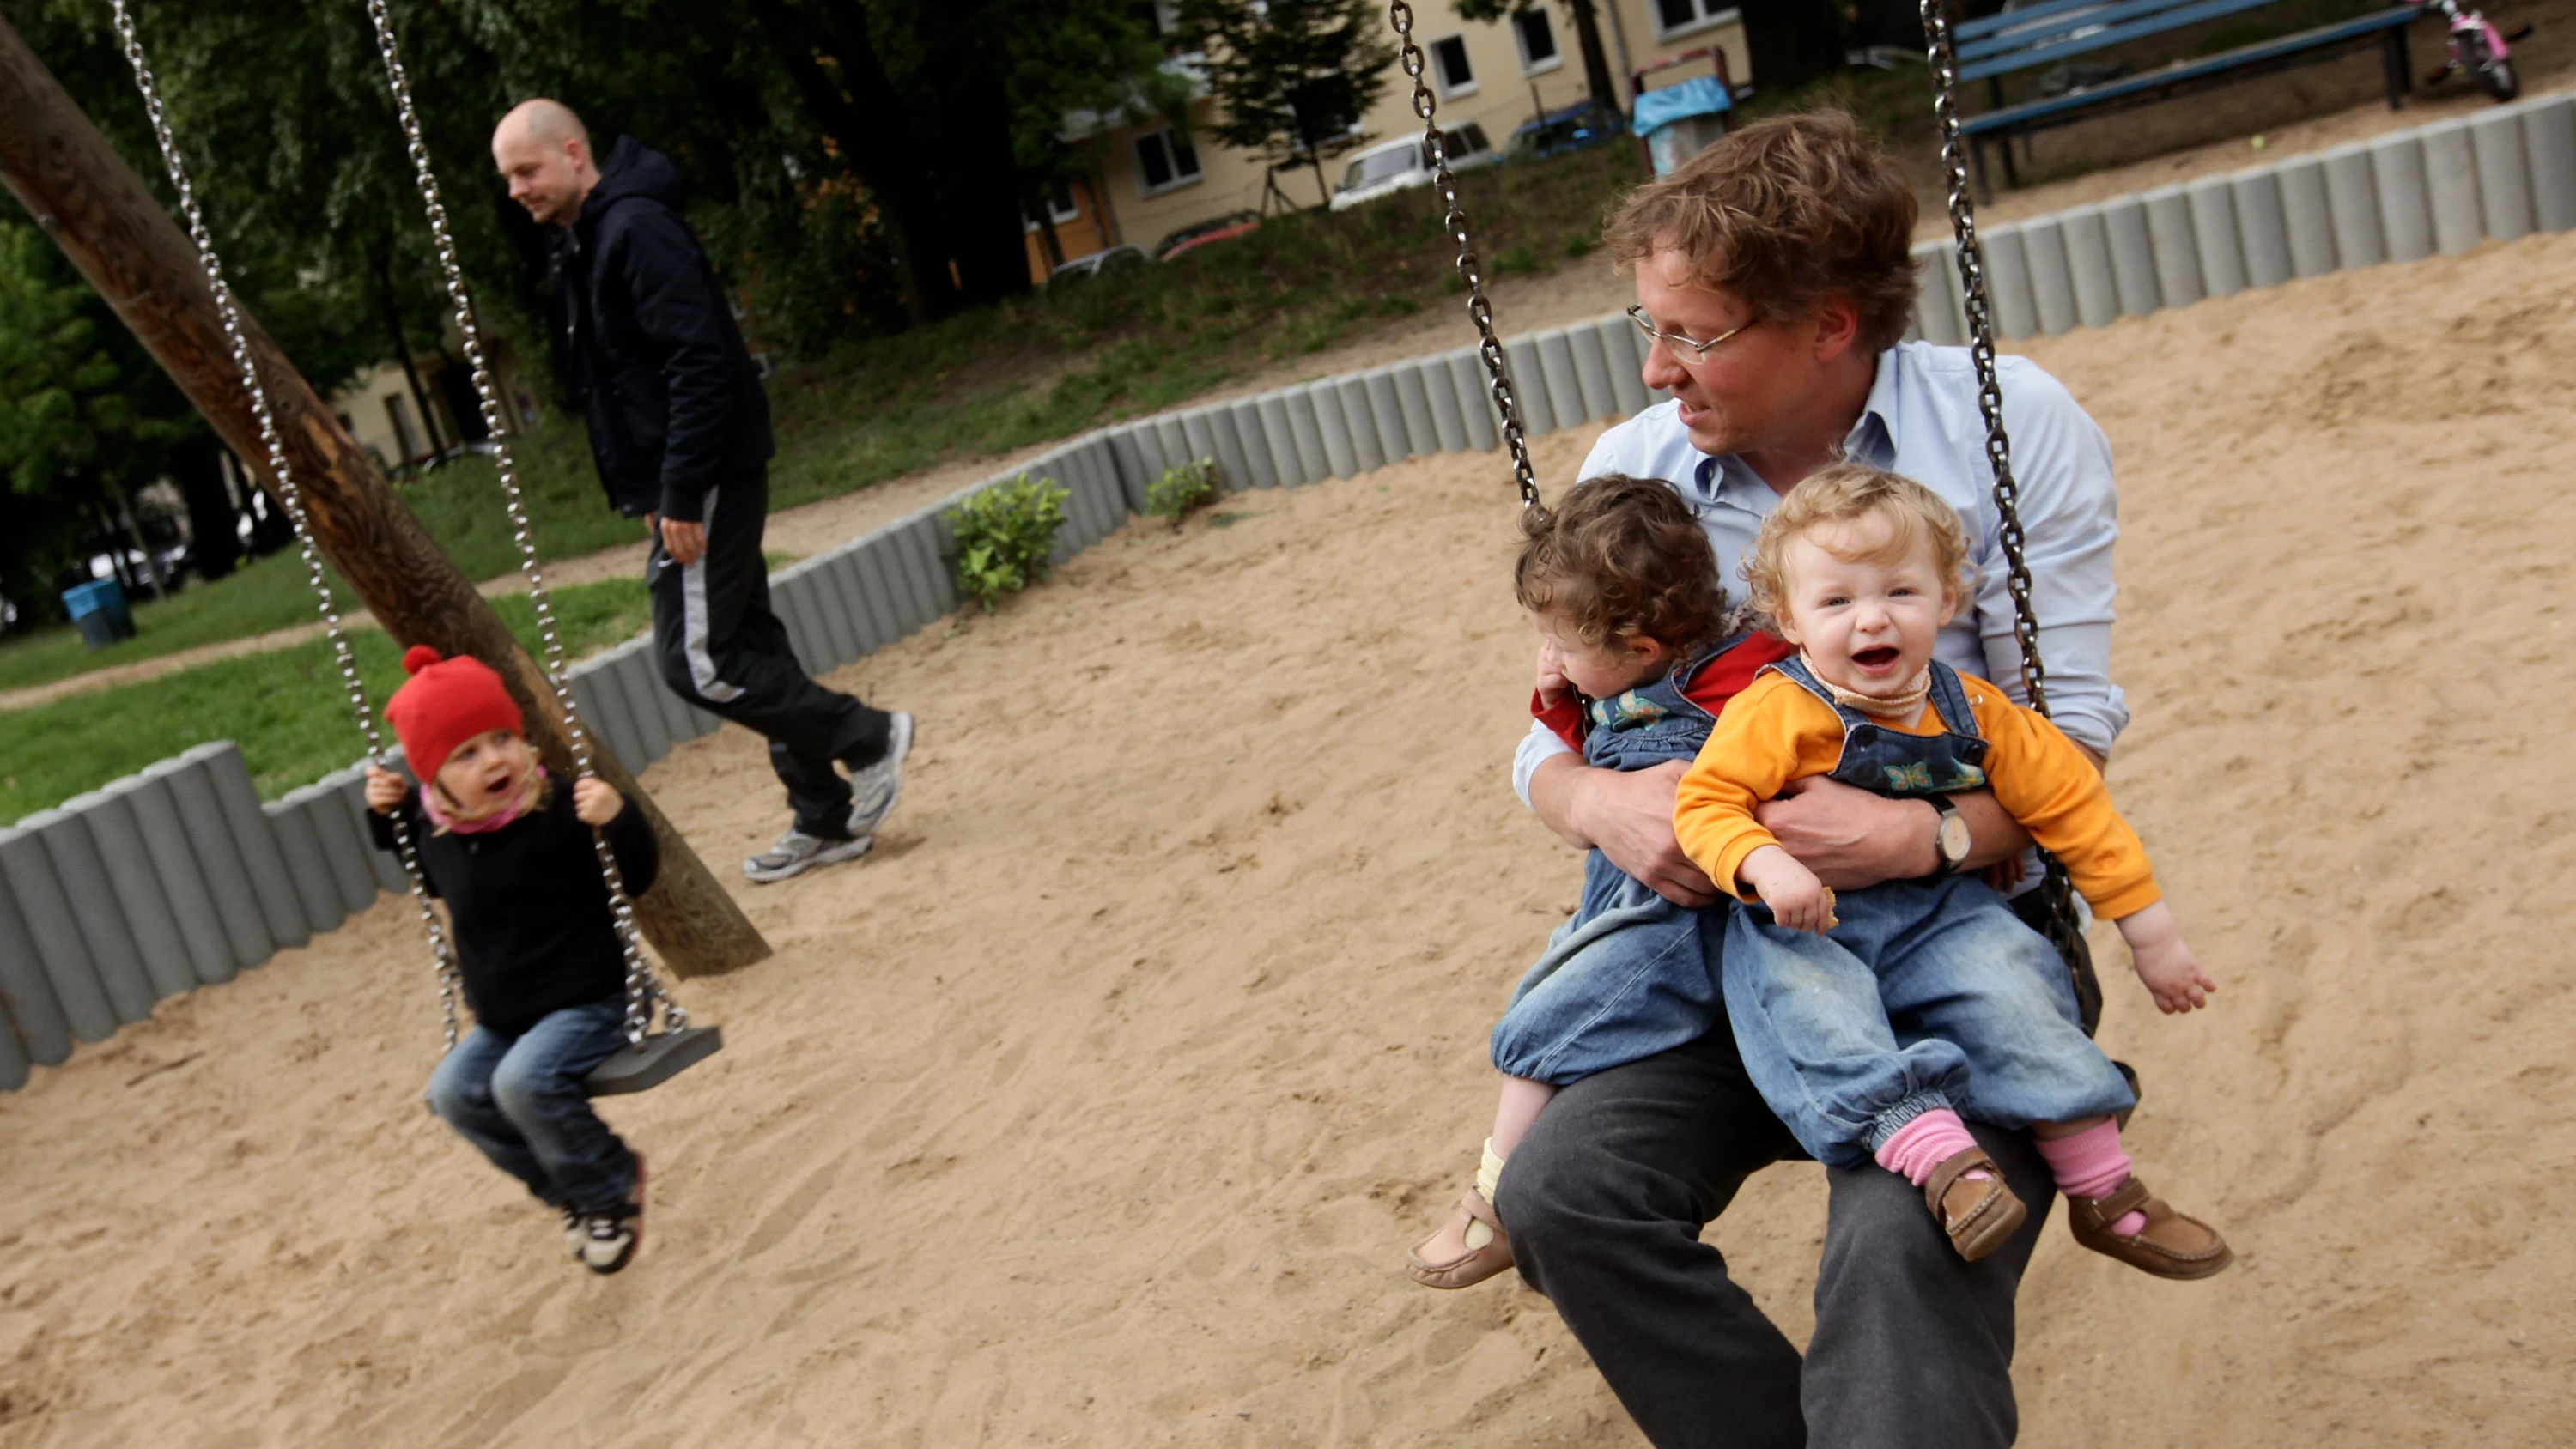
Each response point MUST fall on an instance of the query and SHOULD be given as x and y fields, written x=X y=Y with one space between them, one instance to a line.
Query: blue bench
x=2041 y=35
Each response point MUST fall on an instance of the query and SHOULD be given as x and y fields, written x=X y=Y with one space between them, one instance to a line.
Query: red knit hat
x=445 y=703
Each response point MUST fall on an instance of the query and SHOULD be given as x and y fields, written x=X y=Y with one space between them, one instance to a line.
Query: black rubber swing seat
x=654 y=1060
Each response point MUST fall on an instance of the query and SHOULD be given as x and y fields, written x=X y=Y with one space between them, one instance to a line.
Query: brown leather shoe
x=1979 y=1213
x=2169 y=1246
x=1473 y=1266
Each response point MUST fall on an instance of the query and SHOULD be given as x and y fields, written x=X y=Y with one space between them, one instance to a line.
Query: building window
x=1164 y=162
x=1059 y=205
x=1537 y=37
x=1687 y=17
x=1450 y=67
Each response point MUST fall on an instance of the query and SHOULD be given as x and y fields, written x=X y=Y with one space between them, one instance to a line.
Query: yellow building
x=1149 y=182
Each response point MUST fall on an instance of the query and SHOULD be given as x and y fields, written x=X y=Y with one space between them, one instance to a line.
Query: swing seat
x=654 y=1060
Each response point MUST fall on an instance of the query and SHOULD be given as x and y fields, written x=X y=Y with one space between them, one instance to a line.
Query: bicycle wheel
x=2494 y=72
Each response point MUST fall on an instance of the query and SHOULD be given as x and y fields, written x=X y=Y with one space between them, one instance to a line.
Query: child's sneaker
x=576 y=1230
x=607 y=1242
x=2169 y=1245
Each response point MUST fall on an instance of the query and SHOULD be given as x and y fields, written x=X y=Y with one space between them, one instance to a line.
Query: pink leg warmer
x=2090 y=1164
x=1924 y=1144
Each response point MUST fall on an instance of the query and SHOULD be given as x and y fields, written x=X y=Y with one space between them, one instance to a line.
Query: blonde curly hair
x=1918 y=518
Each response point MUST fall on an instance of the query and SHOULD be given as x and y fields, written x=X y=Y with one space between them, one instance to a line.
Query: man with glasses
x=679 y=428
x=1774 y=283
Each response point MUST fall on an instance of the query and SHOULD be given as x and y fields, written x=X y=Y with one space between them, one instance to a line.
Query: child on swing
x=534 y=939
x=1872 y=1022
x=1638 y=655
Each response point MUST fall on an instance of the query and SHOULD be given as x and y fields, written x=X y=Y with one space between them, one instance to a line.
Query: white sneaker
x=797 y=852
x=874 y=790
x=607 y=1241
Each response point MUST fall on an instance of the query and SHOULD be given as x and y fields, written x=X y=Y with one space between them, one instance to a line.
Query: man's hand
x=686 y=543
x=595 y=801
x=1628 y=816
x=1797 y=899
x=385 y=789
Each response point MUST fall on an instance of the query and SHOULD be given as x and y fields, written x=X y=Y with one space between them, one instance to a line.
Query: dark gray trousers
x=1605 y=1200
x=719 y=645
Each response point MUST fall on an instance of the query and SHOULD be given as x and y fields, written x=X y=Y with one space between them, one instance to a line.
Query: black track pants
x=720 y=647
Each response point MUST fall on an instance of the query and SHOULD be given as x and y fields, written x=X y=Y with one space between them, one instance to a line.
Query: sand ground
x=1098 y=1105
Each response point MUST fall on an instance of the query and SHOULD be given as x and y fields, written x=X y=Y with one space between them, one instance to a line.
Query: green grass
x=285 y=707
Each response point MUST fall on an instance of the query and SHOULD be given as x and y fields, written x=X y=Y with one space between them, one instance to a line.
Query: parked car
x=1099 y=263
x=1391 y=166
x=1584 y=124
x=1199 y=234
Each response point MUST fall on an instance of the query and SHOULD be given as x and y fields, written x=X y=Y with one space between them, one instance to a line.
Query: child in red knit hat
x=535 y=942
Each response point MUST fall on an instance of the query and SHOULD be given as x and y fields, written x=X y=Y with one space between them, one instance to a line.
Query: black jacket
x=673 y=402
x=531 y=923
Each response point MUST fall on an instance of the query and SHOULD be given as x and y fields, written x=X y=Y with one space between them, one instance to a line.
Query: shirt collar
x=1872 y=440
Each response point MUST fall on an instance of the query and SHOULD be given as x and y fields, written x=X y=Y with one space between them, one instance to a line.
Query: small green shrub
x=1516 y=261
x=1003 y=535
x=1182 y=490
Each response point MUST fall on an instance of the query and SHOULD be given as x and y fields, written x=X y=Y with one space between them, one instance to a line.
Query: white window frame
x=1136 y=148
x=1709 y=19
x=1072 y=212
x=1440 y=73
x=1520 y=40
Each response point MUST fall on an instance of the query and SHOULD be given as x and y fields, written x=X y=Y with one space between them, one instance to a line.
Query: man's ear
x=1837 y=324
x=578 y=150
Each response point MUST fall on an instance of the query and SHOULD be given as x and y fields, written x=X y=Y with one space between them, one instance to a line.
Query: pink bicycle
x=2478 y=47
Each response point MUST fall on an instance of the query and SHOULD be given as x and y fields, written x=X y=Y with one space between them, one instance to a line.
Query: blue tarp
x=1701 y=97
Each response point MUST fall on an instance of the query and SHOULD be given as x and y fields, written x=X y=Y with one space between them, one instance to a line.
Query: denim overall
x=1630 y=974
x=1929 y=993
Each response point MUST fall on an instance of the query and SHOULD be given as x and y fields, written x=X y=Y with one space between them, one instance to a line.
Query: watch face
x=1953 y=839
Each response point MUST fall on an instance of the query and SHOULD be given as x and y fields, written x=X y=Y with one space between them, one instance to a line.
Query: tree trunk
x=94 y=207
x=122 y=511
x=389 y=312
x=1791 y=42
x=876 y=139
x=1596 y=61
x=214 y=522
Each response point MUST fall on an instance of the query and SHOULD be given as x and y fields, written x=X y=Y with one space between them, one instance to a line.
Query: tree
x=1587 y=36
x=1791 y=42
x=1292 y=77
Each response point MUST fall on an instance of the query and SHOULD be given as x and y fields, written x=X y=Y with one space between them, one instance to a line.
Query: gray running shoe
x=797 y=852
x=874 y=790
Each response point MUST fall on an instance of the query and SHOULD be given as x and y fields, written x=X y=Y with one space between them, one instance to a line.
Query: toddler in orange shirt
x=1873 y=1020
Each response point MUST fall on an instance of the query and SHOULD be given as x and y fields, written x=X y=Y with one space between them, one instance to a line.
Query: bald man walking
x=679 y=428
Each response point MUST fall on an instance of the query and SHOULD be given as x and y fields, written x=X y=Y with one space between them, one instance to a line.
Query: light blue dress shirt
x=1921 y=420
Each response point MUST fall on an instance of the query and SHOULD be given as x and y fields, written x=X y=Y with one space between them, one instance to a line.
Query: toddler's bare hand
x=1797 y=899
x=2174 y=977
x=385 y=789
x=595 y=801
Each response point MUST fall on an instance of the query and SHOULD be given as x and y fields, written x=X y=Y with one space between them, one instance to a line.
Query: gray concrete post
x=281 y=906
x=936 y=541
x=2262 y=232
x=2307 y=216
x=2451 y=187
x=2088 y=266
x=109 y=818
x=1126 y=449
x=1198 y=435
x=2177 y=247
x=2133 y=255
x=2549 y=145
x=791 y=599
x=301 y=844
x=2052 y=283
x=901 y=545
x=1936 y=305
x=603 y=706
x=1176 y=441
x=83 y=882
x=1565 y=400
x=1252 y=434
x=2353 y=196
x=1334 y=424
x=183 y=887
x=1287 y=470
x=1592 y=371
x=2405 y=203
x=1475 y=400
x=1440 y=393
x=873 y=558
x=15 y=1066
x=1361 y=420
x=1413 y=400
x=342 y=847
x=2008 y=282
x=1386 y=410
x=62 y=948
x=2212 y=202
x=1306 y=430
x=26 y=991
x=384 y=865
x=633 y=673
x=2504 y=174
x=1628 y=395
x=219 y=864
x=841 y=566
x=1529 y=387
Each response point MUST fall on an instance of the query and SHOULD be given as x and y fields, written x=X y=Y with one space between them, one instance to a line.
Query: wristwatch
x=1950 y=835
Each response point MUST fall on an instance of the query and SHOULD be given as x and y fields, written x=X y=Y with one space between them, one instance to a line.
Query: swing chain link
x=289 y=494
x=643 y=989
x=1981 y=345
x=1489 y=350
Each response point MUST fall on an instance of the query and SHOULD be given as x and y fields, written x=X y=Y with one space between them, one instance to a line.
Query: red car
x=1201 y=233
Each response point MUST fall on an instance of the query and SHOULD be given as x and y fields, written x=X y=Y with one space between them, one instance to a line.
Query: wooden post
x=91 y=203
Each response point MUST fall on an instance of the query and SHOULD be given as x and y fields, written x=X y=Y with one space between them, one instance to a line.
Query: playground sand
x=1098 y=1106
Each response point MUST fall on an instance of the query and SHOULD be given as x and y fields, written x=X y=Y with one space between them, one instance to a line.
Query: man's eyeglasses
x=1674 y=340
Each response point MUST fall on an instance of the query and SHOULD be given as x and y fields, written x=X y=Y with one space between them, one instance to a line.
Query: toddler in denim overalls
x=1623 y=587
x=1871 y=1022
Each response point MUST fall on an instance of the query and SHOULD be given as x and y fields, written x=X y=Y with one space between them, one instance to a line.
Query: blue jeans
x=1929 y=994
x=520 y=1100
x=1630 y=975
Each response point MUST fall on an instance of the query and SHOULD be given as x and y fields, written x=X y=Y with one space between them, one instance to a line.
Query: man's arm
x=1628 y=816
x=683 y=318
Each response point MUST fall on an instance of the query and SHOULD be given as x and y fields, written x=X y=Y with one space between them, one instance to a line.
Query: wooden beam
x=98 y=211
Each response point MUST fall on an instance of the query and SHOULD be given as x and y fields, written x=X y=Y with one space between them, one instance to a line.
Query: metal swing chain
x=643 y=988
x=289 y=494
x=1981 y=345
x=1454 y=220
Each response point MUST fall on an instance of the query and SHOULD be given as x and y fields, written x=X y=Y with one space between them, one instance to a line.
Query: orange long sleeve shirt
x=1777 y=731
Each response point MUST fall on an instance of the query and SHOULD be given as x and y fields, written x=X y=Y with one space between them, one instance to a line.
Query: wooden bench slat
x=2056 y=24
x=2355 y=28
x=2167 y=17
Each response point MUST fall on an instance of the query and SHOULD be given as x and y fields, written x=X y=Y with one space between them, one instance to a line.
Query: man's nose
x=1661 y=372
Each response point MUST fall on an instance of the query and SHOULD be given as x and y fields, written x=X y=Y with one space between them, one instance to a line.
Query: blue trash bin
x=1678 y=121
x=98 y=610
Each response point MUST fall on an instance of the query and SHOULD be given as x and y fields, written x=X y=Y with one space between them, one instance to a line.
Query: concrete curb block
x=61 y=950
x=2549 y=152
x=2405 y=204
x=2451 y=185
x=1936 y=308
x=2262 y=232
x=1592 y=371
x=1413 y=400
x=2353 y=197
x=1440 y=393
x=219 y=863
x=35 y=1010
x=2088 y=267
x=603 y=714
x=1287 y=470
x=344 y=847
x=2052 y=283
x=1628 y=395
x=2504 y=175
x=82 y=880
x=1564 y=388
x=301 y=844
x=1386 y=409
x=1475 y=401
x=281 y=906
x=1529 y=386
x=1252 y=431
x=1334 y=424
x=2008 y=281
x=2213 y=234
x=632 y=669
x=1198 y=435
x=203 y=938
x=1360 y=420
x=2307 y=217
x=1306 y=430
x=2133 y=256
x=146 y=911
x=2176 y=245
